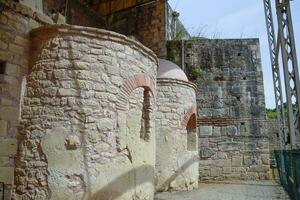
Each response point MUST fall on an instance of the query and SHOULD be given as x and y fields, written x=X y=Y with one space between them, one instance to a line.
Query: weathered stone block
x=3 y=45
x=206 y=152
x=4 y=160
x=259 y=168
x=223 y=163
x=205 y=131
x=4 y=101
x=215 y=171
x=67 y=92
x=22 y=41
x=106 y=124
x=233 y=176
x=231 y=131
x=72 y=142
x=237 y=161
x=11 y=80
x=216 y=131
x=113 y=70
x=16 y=49
x=8 y=147
x=265 y=159
x=226 y=170
x=206 y=162
x=9 y=113
x=6 y=175
x=230 y=146
x=102 y=147
x=3 y=128
x=222 y=155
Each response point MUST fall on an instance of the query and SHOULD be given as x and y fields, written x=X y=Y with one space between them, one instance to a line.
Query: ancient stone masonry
x=87 y=113
x=150 y=22
x=233 y=140
x=16 y=21
x=75 y=142
x=145 y=22
x=86 y=100
x=176 y=137
x=274 y=141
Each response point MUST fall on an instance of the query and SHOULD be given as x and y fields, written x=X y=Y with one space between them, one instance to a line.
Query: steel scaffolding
x=285 y=44
x=274 y=51
x=290 y=68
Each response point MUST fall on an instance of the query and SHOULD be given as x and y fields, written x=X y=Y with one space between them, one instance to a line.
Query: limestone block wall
x=176 y=137
x=233 y=137
x=273 y=134
x=87 y=117
x=147 y=23
x=16 y=21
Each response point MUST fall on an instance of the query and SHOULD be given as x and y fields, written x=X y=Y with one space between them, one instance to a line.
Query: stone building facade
x=16 y=21
x=233 y=140
x=176 y=137
x=150 y=22
x=78 y=107
x=83 y=134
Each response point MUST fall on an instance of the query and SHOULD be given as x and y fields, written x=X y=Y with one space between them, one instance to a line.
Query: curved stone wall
x=176 y=138
x=75 y=142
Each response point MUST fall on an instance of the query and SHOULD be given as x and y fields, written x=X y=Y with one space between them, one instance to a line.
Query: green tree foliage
x=271 y=113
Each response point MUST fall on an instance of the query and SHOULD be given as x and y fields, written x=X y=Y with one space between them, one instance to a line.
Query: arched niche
x=189 y=122
x=135 y=107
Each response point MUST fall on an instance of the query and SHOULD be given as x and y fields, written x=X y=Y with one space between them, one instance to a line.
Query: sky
x=236 y=19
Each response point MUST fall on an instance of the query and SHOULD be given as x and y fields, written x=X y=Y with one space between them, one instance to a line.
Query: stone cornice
x=65 y=29
x=176 y=81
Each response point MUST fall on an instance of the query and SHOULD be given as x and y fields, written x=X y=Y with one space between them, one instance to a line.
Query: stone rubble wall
x=176 y=159
x=273 y=133
x=16 y=21
x=146 y=23
x=74 y=142
x=233 y=137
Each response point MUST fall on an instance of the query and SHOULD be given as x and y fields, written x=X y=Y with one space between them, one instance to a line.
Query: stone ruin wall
x=233 y=140
x=150 y=23
x=176 y=139
x=146 y=23
x=75 y=112
x=16 y=21
x=274 y=140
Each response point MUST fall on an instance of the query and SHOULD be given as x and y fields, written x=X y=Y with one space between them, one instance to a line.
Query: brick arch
x=189 y=120
x=130 y=84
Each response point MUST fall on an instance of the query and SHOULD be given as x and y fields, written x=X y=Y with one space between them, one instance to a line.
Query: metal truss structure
x=274 y=51
x=285 y=43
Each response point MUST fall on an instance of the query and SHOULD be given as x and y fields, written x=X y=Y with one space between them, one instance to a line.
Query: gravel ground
x=262 y=190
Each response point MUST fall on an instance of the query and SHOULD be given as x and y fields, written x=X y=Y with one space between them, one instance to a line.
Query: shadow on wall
x=180 y=170
x=120 y=185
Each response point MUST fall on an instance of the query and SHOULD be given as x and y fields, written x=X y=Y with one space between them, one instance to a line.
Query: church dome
x=170 y=70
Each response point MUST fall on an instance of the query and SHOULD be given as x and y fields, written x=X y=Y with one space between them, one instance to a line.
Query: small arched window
x=192 y=134
x=135 y=101
x=146 y=112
